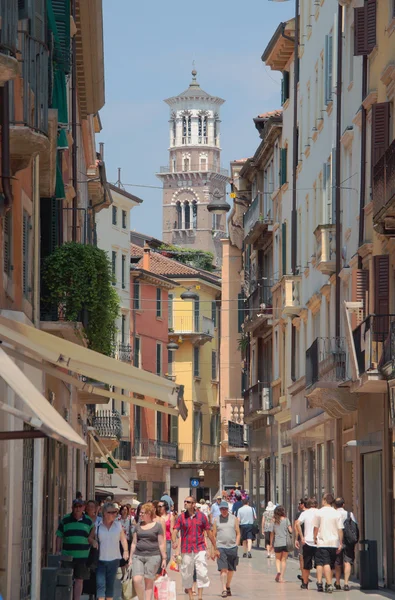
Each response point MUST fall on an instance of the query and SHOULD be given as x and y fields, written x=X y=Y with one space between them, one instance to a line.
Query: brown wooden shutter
x=360 y=38
x=380 y=130
x=371 y=11
x=360 y=291
x=381 y=296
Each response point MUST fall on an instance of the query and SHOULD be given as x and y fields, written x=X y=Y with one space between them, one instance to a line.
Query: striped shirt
x=75 y=535
x=192 y=528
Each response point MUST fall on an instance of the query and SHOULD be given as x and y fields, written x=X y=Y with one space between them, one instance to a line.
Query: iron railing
x=34 y=58
x=195 y=168
x=198 y=453
x=384 y=181
x=107 y=423
x=192 y=324
x=155 y=449
x=327 y=360
x=124 y=352
x=374 y=342
x=260 y=301
x=57 y=312
x=259 y=397
x=259 y=211
x=123 y=451
x=8 y=27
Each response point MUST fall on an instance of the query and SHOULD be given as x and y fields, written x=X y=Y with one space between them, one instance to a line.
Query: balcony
x=328 y=376
x=258 y=220
x=198 y=330
x=259 y=306
x=123 y=352
x=291 y=292
x=152 y=451
x=123 y=452
x=29 y=104
x=8 y=40
x=53 y=319
x=194 y=168
x=258 y=401
x=374 y=349
x=201 y=454
x=325 y=251
x=384 y=192
x=108 y=426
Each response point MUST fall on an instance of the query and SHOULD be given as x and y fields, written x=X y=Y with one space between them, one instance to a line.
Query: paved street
x=255 y=578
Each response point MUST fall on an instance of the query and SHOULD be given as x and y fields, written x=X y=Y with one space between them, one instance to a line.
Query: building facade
x=194 y=176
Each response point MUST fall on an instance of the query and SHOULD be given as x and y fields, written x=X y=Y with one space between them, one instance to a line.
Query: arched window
x=174 y=131
x=194 y=214
x=200 y=129
x=184 y=129
x=185 y=164
x=205 y=130
x=179 y=216
x=187 y=215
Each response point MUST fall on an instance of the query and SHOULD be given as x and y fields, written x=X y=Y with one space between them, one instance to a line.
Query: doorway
x=373 y=511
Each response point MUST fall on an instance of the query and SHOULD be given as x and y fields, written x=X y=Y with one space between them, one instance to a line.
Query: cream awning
x=73 y=357
x=41 y=414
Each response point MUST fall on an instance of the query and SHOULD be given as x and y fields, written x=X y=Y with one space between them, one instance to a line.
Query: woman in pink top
x=168 y=520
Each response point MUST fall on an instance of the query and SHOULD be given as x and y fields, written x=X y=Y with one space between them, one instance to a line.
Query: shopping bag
x=128 y=591
x=173 y=565
x=164 y=588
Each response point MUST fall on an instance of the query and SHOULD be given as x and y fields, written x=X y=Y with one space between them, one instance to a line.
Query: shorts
x=267 y=538
x=278 y=549
x=246 y=532
x=228 y=559
x=146 y=566
x=325 y=556
x=309 y=553
x=194 y=562
x=80 y=569
x=347 y=555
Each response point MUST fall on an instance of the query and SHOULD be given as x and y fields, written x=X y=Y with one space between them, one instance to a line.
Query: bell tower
x=194 y=177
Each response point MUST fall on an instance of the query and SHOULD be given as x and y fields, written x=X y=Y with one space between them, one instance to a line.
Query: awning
x=118 y=494
x=73 y=357
x=41 y=414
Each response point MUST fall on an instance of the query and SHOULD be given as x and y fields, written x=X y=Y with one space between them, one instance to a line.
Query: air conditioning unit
x=266 y=399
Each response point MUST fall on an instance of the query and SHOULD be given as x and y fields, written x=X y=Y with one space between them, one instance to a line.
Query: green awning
x=62 y=140
x=59 y=95
x=59 y=186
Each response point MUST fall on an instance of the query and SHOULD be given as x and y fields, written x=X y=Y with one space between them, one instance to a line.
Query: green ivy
x=200 y=259
x=80 y=278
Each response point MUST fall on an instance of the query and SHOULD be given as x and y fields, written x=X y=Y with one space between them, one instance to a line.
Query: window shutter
x=328 y=67
x=333 y=187
x=240 y=314
x=284 y=247
x=283 y=166
x=286 y=85
x=360 y=292
x=370 y=8
x=360 y=41
x=61 y=11
x=380 y=130
x=213 y=365
x=282 y=92
x=25 y=254
x=7 y=243
x=214 y=312
x=381 y=295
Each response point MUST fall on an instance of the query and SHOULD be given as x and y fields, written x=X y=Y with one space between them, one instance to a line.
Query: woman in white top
x=109 y=534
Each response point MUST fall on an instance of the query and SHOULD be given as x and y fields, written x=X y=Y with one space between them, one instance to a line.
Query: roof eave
x=280 y=48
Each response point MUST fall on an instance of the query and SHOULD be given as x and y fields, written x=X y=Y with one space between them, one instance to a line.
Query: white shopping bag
x=164 y=588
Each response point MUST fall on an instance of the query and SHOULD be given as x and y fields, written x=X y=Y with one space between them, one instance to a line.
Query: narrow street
x=255 y=578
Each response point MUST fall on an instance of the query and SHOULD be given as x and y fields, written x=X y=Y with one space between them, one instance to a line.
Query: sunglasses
x=161 y=505
x=188 y=502
x=112 y=512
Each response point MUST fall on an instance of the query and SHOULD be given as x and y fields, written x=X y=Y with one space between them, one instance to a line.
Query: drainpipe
x=338 y=164
x=363 y=159
x=5 y=146
x=74 y=126
x=294 y=222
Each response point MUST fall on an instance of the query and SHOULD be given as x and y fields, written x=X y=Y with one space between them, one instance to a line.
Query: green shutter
x=60 y=27
x=283 y=166
x=282 y=92
x=285 y=87
x=284 y=247
x=240 y=314
x=60 y=192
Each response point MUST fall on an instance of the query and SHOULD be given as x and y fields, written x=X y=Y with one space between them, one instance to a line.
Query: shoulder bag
x=255 y=526
x=289 y=540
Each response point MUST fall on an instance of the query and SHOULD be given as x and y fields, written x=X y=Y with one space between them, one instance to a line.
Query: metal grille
x=27 y=519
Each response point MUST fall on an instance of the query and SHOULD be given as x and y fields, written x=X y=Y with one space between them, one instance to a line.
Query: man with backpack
x=350 y=538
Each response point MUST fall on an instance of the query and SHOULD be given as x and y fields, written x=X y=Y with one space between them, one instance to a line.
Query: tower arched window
x=185 y=164
x=194 y=214
x=179 y=215
x=174 y=131
x=187 y=215
x=205 y=130
x=184 y=129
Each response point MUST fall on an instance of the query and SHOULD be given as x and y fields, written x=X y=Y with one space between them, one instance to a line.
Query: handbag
x=93 y=557
x=164 y=588
x=128 y=591
x=289 y=540
x=255 y=526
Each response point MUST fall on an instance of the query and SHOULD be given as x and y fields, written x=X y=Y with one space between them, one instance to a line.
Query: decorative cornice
x=314 y=303
x=347 y=137
x=304 y=315
x=345 y=274
x=326 y=290
x=365 y=249
x=370 y=99
x=357 y=120
x=296 y=323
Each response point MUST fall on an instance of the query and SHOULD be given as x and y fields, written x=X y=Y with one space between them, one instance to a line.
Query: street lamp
x=218 y=205
x=172 y=346
x=189 y=295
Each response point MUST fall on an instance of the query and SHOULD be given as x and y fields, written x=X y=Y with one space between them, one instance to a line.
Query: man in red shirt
x=192 y=525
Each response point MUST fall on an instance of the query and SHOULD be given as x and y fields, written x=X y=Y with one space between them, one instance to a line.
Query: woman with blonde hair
x=278 y=541
x=148 y=551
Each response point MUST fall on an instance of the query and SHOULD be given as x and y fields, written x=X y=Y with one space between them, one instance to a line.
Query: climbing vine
x=200 y=259
x=79 y=278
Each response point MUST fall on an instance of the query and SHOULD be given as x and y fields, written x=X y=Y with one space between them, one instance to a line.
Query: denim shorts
x=106 y=572
x=146 y=566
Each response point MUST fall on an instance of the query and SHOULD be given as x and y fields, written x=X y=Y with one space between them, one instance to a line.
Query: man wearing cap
x=226 y=531
x=75 y=535
x=215 y=508
x=238 y=504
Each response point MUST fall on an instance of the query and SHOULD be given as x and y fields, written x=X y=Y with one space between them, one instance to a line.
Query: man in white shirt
x=346 y=558
x=215 y=512
x=328 y=536
x=306 y=536
x=246 y=515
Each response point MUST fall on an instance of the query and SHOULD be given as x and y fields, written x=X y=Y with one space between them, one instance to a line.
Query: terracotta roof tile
x=272 y=113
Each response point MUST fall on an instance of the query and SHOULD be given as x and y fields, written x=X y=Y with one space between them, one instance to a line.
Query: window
x=170 y=299
x=283 y=166
x=158 y=302
x=214 y=374
x=7 y=244
x=158 y=358
x=214 y=312
x=284 y=87
x=123 y=329
x=114 y=267
x=114 y=215
x=365 y=28
x=197 y=434
x=194 y=214
x=124 y=411
x=136 y=294
x=187 y=215
x=215 y=429
x=331 y=466
x=185 y=164
x=170 y=362
x=240 y=314
x=328 y=67
x=203 y=164
x=196 y=315
x=178 y=224
x=216 y=220
x=26 y=269
x=124 y=219
x=351 y=56
x=137 y=423
x=159 y=435
x=137 y=353
x=123 y=272
x=196 y=361
x=173 y=429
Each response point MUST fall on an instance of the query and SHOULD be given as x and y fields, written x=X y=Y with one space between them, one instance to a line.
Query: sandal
x=228 y=591
x=224 y=594
x=277 y=578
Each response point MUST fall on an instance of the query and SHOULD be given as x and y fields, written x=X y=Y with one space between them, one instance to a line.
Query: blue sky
x=149 y=48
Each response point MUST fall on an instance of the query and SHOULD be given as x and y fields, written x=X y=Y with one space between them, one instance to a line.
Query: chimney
x=146 y=257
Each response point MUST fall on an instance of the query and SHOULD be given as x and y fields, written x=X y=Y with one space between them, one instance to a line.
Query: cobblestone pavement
x=255 y=579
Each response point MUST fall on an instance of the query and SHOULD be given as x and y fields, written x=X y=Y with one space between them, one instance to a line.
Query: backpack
x=351 y=531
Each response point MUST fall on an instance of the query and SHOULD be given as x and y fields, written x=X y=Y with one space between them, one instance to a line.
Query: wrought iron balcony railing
x=155 y=449
x=259 y=213
x=374 y=342
x=258 y=398
x=8 y=27
x=123 y=451
x=327 y=360
x=259 y=302
x=192 y=324
x=384 y=183
x=107 y=423
x=124 y=352
x=198 y=453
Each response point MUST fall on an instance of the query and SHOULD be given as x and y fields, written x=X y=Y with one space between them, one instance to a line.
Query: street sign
x=195 y=482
